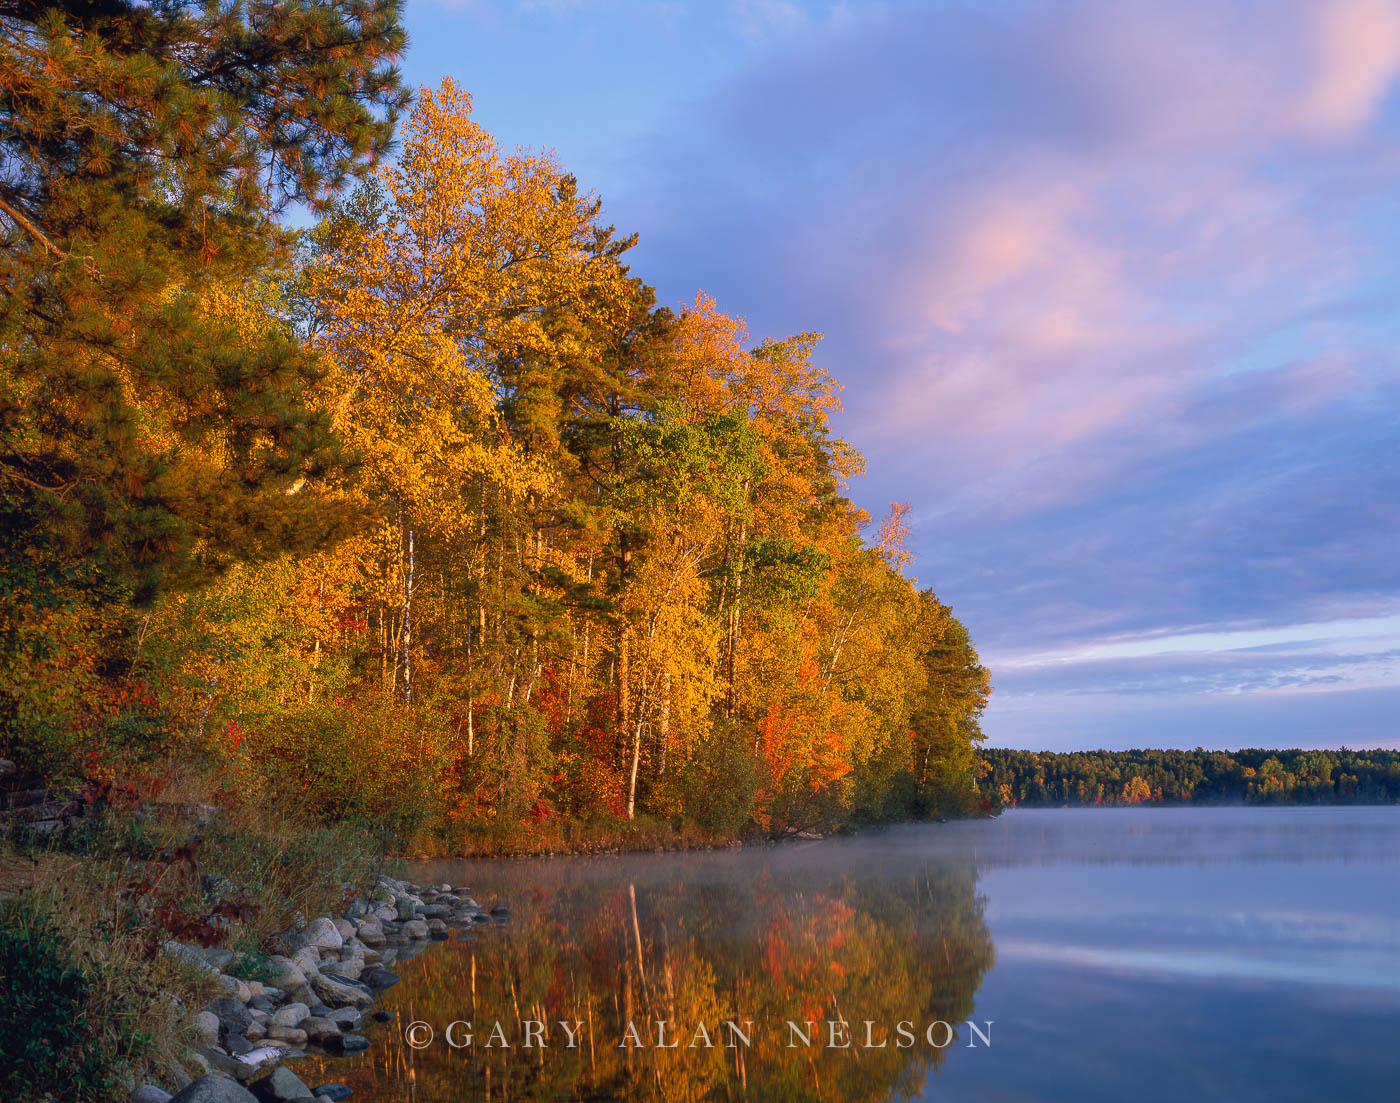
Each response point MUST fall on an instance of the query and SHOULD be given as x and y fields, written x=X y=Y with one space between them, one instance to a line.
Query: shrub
x=51 y=1045
x=718 y=782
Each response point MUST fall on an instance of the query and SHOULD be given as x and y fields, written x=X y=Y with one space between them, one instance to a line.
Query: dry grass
x=117 y=889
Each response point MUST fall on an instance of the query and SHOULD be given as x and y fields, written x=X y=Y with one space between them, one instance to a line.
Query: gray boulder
x=284 y=973
x=350 y=969
x=292 y=1035
x=214 y=1088
x=345 y=1044
x=232 y=1014
x=378 y=977
x=323 y=934
x=206 y=1025
x=341 y=991
x=281 y=1087
x=291 y=1015
x=149 y=1093
x=347 y=1018
x=308 y=960
x=317 y=1028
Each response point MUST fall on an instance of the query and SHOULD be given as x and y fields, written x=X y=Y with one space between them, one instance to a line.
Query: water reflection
x=1154 y=954
x=706 y=945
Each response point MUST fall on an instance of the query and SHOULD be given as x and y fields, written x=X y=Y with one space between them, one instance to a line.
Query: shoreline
x=318 y=993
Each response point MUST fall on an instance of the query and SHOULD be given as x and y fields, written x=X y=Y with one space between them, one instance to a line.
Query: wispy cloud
x=1111 y=286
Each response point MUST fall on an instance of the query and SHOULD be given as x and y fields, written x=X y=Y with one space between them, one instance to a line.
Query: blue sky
x=1112 y=286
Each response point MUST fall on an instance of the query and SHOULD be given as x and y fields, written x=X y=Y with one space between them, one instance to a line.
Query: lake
x=1098 y=954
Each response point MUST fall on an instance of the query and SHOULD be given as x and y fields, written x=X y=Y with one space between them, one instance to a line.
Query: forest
x=427 y=516
x=1048 y=779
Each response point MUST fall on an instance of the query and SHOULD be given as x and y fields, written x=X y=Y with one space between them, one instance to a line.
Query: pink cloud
x=1355 y=52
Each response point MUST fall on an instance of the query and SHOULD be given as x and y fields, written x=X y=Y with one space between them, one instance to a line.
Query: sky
x=1112 y=286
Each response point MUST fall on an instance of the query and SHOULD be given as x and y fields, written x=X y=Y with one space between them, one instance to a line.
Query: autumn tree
x=150 y=437
x=147 y=150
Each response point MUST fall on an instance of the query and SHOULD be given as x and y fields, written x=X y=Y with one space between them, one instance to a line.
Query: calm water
x=1158 y=954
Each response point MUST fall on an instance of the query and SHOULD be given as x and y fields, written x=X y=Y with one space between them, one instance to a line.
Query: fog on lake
x=1152 y=954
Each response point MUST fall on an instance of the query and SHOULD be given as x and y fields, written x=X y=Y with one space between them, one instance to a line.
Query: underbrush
x=92 y=998
x=565 y=835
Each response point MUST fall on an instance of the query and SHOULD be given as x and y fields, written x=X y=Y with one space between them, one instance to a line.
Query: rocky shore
x=316 y=993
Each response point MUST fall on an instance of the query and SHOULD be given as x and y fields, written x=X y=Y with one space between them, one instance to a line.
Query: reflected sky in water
x=1153 y=954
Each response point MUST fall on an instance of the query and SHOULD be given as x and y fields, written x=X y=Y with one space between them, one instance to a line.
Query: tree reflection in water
x=690 y=940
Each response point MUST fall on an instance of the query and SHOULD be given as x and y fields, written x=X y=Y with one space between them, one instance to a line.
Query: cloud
x=1111 y=287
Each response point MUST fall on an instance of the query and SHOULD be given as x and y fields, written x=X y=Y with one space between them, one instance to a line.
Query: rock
x=177 y=1075
x=444 y=888
x=317 y=1028
x=324 y=934
x=281 y=1087
x=190 y=955
x=285 y=973
x=263 y=1004
x=218 y=957
x=149 y=1093
x=257 y=1032
x=345 y=928
x=416 y=928
x=386 y=911
x=232 y=1014
x=345 y=1044
x=272 y=995
x=290 y=1034
x=373 y=957
x=404 y=908
x=236 y=1045
x=371 y=934
x=378 y=977
x=341 y=991
x=303 y=995
x=206 y=1025
x=213 y=1088
x=334 y=1092
x=308 y=960
x=500 y=911
x=382 y=1016
x=7 y=767
x=241 y=1068
x=291 y=1015
x=234 y=987
x=356 y=909
x=347 y=1018
x=199 y=1062
x=437 y=928
x=434 y=911
x=350 y=969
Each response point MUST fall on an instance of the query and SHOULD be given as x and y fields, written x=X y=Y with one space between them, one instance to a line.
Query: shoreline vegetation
x=422 y=530
x=1046 y=779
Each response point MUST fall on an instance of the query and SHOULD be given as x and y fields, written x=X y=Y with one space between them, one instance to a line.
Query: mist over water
x=1209 y=953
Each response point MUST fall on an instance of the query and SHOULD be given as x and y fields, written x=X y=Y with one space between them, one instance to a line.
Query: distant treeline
x=1250 y=776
